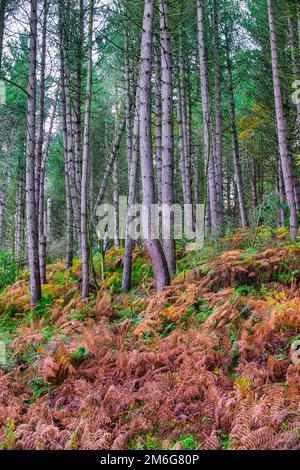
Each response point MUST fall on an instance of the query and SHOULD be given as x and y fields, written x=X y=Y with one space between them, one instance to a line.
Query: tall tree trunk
x=79 y=56
x=3 y=192
x=19 y=218
x=128 y=100
x=74 y=189
x=115 y=179
x=129 y=243
x=184 y=131
x=69 y=209
x=2 y=24
x=282 y=127
x=295 y=64
x=158 y=109
x=40 y=138
x=218 y=124
x=209 y=156
x=31 y=206
x=41 y=203
x=167 y=129
x=110 y=162
x=48 y=220
x=153 y=244
x=85 y=163
x=281 y=193
x=235 y=142
x=39 y=167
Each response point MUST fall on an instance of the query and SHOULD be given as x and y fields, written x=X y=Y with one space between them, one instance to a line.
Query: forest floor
x=211 y=363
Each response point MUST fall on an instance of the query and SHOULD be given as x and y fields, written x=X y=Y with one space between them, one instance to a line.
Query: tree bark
x=129 y=243
x=153 y=244
x=128 y=101
x=184 y=130
x=295 y=65
x=79 y=57
x=282 y=126
x=69 y=209
x=158 y=109
x=85 y=162
x=41 y=208
x=3 y=193
x=209 y=156
x=41 y=126
x=2 y=25
x=218 y=122
x=115 y=179
x=235 y=142
x=110 y=162
x=281 y=193
x=31 y=206
x=167 y=129
x=19 y=217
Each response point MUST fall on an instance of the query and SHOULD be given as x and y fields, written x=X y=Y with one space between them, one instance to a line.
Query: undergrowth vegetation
x=207 y=364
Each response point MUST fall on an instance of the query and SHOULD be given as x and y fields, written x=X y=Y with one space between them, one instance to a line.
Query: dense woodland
x=116 y=343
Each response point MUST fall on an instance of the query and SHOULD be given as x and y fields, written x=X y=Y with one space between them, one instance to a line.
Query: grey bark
x=31 y=206
x=153 y=244
x=132 y=183
x=209 y=156
x=295 y=64
x=41 y=125
x=218 y=122
x=69 y=210
x=19 y=218
x=282 y=127
x=235 y=142
x=2 y=25
x=167 y=128
x=115 y=179
x=184 y=130
x=158 y=127
x=3 y=192
x=110 y=162
x=41 y=195
x=85 y=162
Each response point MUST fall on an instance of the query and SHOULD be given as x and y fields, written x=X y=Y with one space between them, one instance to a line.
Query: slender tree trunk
x=116 y=203
x=31 y=206
x=3 y=193
x=69 y=209
x=129 y=242
x=153 y=244
x=282 y=127
x=128 y=101
x=254 y=186
x=19 y=218
x=85 y=163
x=158 y=106
x=281 y=193
x=209 y=157
x=48 y=223
x=235 y=142
x=218 y=124
x=167 y=129
x=39 y=167
x=110 y=162
x=40 y=138
x=78 y=143
x=298 y=22
x=295 y=64
x=184 y=131
x=41 y=209
x=2 y=25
